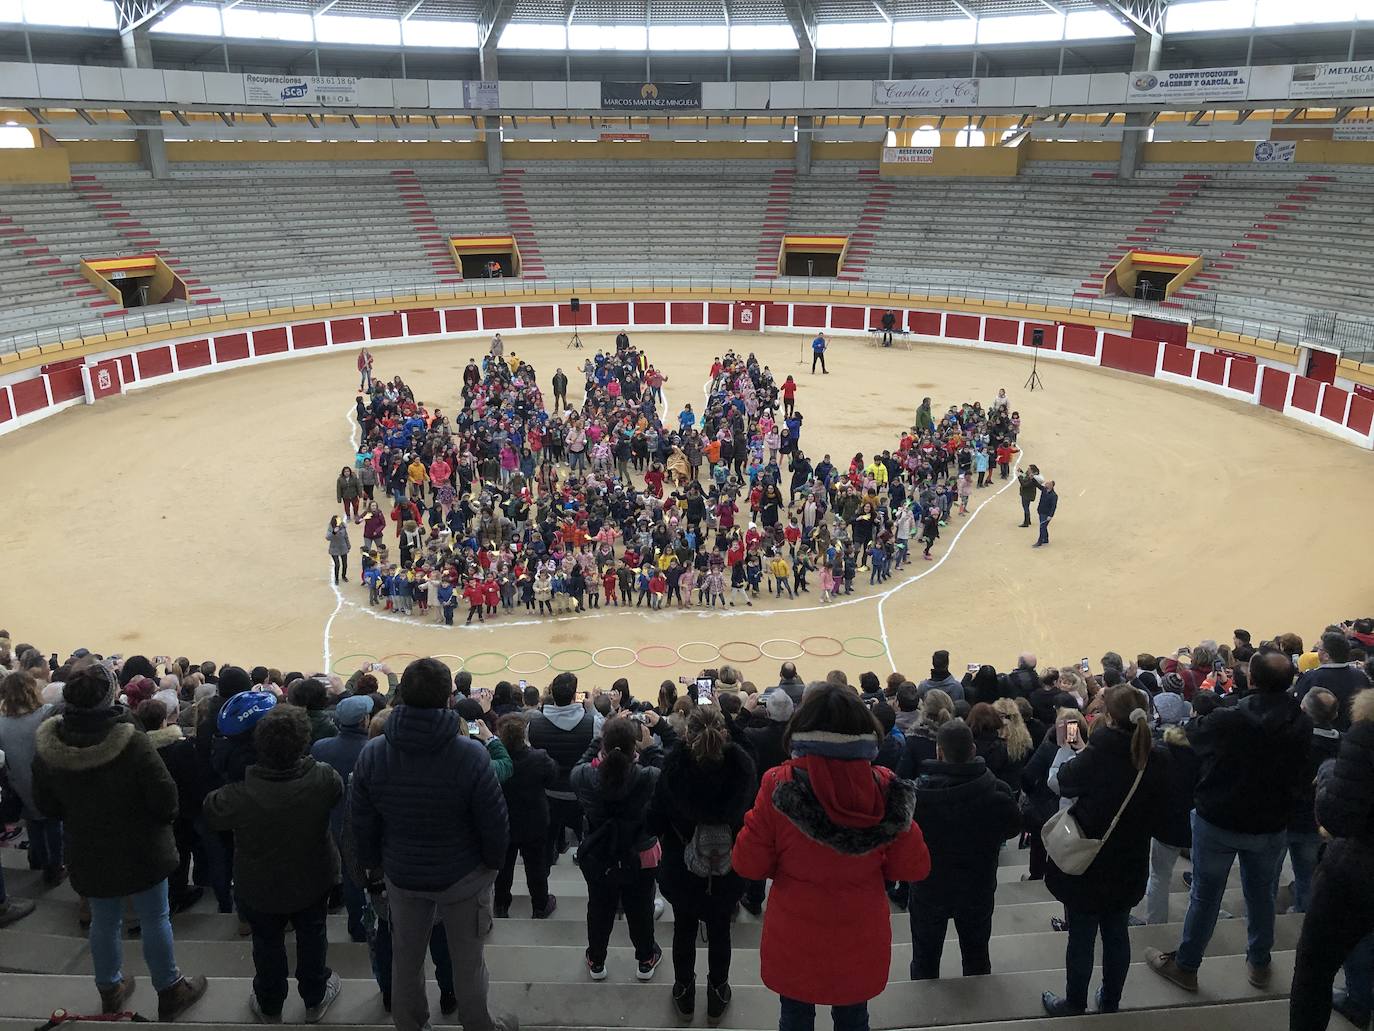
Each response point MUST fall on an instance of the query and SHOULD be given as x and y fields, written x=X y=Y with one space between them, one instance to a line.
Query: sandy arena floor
x=190 y=519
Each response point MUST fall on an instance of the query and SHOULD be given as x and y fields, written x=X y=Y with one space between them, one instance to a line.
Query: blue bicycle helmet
x=242 y=711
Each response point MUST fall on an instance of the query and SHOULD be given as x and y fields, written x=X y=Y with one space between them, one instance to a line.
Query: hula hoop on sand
x=510 y=662
x=715 y=652
x=553 y=660
x=758 y=652
x=882 y=648
x=614 y=648
x=763 y=649
x=454 y=666
x=356 y=655
x=639 y=656
x=839 y=646
x=505 y=662
x=398 y=655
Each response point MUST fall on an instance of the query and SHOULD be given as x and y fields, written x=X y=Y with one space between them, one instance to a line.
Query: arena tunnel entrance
x=812 y=256
x=486 y=257
x=1150 y=275
x=135 y=282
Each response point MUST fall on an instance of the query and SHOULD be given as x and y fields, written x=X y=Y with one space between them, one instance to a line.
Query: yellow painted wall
x=854 y=151
x=199 y=150
x=964 y=161
x=1100 y=151
x=1232 y=152
x=1337 y=152
x=648 y=150
x=102 y=152
x=40 y=165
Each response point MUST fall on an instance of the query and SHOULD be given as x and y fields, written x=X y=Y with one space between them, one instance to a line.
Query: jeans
x=930 y=921
x=801 y=1016
x=465 y=910
x=535 y=854
x=1339 y=921
x=1080 y=954
x=270 y=968
x=635 y=894
x=715 y=912
x=1304 y=850
x=219 y=856
x=340 y=566
x=45 y=844
x=1214 y=850
x=1044 y=530
x=1025 y=511
x=380 y=952
x=1162 y=860
x=107 y=945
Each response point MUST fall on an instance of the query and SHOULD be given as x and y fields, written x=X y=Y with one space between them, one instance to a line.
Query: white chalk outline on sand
x=880 y=597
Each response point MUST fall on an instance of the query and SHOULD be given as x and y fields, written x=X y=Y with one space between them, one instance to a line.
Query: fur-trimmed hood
x=1362 y=707
x=1176 y=736
x=796 y=800
x=65 y=743
x=164 y=736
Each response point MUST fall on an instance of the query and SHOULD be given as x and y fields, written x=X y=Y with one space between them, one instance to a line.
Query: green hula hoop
x=553 y=660
x=882 y=648
x=467 y=664
x=344 y=658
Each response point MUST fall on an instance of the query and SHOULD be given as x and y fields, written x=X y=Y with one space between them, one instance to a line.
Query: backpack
x=707 y=852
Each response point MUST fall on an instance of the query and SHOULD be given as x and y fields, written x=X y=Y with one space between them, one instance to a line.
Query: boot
x=174 y=1001
x=717 y=999
x=685 y=1001
x=114 y=997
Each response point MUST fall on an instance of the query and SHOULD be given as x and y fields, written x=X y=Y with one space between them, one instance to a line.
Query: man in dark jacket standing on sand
x=429 y=820
x=285 y=861
x=966 y=815
x=1253 y=758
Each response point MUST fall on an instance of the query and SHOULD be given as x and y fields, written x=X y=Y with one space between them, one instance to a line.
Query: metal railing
x=918 y=286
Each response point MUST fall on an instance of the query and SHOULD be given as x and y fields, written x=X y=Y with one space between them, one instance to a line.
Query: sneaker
x=15 y=910
x=259 y=1014
x=1057 y=1007
x=1097 y=1000
x=548 y=910
x=501 y=912
x=1346 y=1007
x=1259 y=976
x=314 y=1014
x=646 y=969
x=1058 y=924
x=659 y=907
x=1187 y=878
x=685 y=1001
x=114 y=997
x=506 y=1022
x=1166 y=966
x=717 y=999
x=174 y=1001
x=596 y=971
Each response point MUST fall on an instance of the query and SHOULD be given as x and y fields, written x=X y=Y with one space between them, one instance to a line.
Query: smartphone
x=1218 y=666
x=706 y=693
x=524 y=684
x=1071 y=733
x=1083 y=665
x=472 y=728
x=973 y=667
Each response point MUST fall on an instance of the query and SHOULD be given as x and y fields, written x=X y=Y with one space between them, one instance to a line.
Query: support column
x=802 y=150
x=1148 y=46
x=496 y=163
x=152 y=149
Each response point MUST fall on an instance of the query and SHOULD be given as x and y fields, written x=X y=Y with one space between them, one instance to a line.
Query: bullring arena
x=1144 y=220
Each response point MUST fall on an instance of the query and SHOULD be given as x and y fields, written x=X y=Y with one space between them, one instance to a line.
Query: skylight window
x=1093 y=25
x=762 y=37
x=191 y=20
x=94 y=14
x=687 y=37
x=331 y=28
x=941 y=32
x=421 y=32
x=607 y=37
x=1209 y=15
x=14 y=136
x=853 y=35
x=1285 y=12
x=1021 y=28
x=533 y=36
x=249 y=24
x=926 y=136
x=11 y=10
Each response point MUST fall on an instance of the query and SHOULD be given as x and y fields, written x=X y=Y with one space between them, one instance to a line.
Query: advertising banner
x=481 y=94
x=651 y=96
x=1352 y=79
x=909 y=155
x=301 y=90
x=925 y=93
x=1353 y=130
x=1272 y=151
x=748 y=315
x=1186 y=85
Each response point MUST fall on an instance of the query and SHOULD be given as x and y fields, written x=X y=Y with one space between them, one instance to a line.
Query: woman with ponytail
x=619 y=855
x=706 y=787
x=1118 y=771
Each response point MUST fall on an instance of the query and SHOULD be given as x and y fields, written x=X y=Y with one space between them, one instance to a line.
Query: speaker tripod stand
x=1033 y=381
x=575 y=343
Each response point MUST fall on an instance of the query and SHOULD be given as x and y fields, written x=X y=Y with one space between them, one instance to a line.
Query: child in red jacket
x=475 y=596
x=491 y=593
x=1005 y=453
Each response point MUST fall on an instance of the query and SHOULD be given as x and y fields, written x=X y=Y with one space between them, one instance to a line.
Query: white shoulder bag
x=1071 y=849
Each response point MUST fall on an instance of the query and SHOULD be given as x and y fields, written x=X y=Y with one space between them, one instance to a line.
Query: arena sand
x=189 y=519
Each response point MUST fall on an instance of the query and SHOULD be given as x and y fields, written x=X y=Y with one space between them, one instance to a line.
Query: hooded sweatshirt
x=284 y=854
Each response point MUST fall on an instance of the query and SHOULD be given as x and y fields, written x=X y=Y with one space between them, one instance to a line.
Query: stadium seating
x=538 y=972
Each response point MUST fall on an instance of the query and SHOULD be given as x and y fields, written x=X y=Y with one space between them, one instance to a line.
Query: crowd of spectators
x=512 y=508
x=407 y=801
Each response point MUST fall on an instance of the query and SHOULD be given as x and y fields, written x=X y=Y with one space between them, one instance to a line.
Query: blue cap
x=352 y=711
x=241 y=713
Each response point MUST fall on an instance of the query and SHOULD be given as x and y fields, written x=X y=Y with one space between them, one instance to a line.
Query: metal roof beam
x=140 y=14
x=324 y=8
x=410 y=11
x=1054 y=7
x=964 y=10
x=1142 y=16
x=493 y=20
x=802 y=17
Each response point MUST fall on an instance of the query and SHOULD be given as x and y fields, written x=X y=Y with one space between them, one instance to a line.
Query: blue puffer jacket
x=426 y=807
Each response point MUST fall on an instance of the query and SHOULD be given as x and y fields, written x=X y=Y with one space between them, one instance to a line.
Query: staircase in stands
x=1272 y=224
x=137 y=236
x=538 y=971
x=27 y=249
x=775 y=213
x=861 y=241
x=426 y=228
x=521 y=223
x=1148 y=228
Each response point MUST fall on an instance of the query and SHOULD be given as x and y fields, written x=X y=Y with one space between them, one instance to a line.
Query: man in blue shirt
x=818 y=354
x=1049 y=503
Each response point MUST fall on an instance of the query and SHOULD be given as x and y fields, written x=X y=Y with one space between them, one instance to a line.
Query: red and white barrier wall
x=1337 y=408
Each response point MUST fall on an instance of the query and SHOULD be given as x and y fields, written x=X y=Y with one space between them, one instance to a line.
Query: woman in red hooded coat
x=829 y=829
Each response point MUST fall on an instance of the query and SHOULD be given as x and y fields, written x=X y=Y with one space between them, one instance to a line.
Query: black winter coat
x=565 y=747
x=100 y=775
x=1184 y=768
x=284 y=852
x=1097 y=779
x=689 y=793
x=993 y=751
x=1041 y=801
x=526 y=802
x=1345 y=801
x=178 y=754
x=919 y=749
x=965 y=813
x=626 y=809
x=767 y=742
x=1341 y=680
x=1254 y=763
x=426 y=807
x=1326 y=745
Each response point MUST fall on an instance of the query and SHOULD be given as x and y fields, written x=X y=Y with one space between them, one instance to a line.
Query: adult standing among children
x=337 y=536
x=560 y=390
x=1045 y=510
x=364 y=369
x=1028 y=485
x=830 y=830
